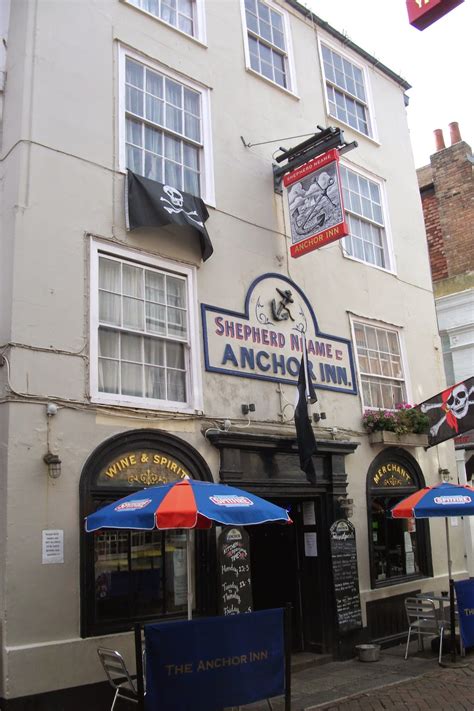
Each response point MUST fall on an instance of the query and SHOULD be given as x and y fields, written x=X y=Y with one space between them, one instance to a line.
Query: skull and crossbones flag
x=152 y=204
x=450 y=412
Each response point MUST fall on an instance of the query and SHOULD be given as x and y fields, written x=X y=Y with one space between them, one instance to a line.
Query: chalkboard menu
x=235 y=583
x=345 y=575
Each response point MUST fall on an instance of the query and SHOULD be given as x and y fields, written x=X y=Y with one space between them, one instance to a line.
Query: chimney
x=439 y=139
x=454 y=133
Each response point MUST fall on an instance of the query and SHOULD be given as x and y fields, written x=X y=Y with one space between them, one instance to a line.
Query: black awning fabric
x=152 y=204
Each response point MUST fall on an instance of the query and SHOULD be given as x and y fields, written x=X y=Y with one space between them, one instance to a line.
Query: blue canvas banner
x=207 y=664
x=465 y=598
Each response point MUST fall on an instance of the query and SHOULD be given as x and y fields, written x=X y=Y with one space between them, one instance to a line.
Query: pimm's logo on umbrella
x=447 y=500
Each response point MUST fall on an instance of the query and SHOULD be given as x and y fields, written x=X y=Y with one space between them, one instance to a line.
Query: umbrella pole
x=451 y=596
x=189 y=582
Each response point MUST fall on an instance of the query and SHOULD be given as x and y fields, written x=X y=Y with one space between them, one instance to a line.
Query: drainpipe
x=468 y=522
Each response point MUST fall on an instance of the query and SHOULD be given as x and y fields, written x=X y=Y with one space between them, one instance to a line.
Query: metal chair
x=118 y=675
x=422 y=616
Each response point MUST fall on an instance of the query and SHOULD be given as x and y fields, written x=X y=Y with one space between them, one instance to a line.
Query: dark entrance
x=285 y=569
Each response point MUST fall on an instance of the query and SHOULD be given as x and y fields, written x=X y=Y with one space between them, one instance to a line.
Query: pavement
x=418 y=684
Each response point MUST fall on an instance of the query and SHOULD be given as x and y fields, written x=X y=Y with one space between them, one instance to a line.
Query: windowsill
x=143 y=405
x=359 y=133
x=288 y=92
x=346 y=255
x=390 y=582
x=162 y=22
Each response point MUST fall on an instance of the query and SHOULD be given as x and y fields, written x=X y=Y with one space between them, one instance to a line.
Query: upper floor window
x=184 y=15
x=166 y=128
x=268 y=42
x=367 y=238
x=346 y=90
x=380 y=365
x=142 y=333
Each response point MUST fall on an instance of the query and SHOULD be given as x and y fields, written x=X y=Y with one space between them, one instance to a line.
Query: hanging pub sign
x=315 y=204
x=422 y=13
x=265 y=341
x=450 y=412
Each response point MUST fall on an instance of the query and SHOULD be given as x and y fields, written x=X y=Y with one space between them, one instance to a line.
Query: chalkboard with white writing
x=345 y=575
x=235 y=583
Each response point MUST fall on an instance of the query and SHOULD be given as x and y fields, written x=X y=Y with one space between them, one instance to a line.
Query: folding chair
x=422 y=616
x=118 y=675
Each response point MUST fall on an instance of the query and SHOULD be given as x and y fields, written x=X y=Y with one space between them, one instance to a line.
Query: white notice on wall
x=309 y=517
x=310 y=545
x=454 y=520
x=53 y=546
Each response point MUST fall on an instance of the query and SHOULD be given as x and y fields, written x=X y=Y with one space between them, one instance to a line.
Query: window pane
x=176 y=322
x=174 y=93
x=108 y=343
x=109 y=275
x=155 y=287
x=176 y=386
x=191 y=182
x=173 y=149
x=154 y=351
x=109 y=308
x=131 y=347
x=176 y=292
x=192 y=127
x=155 y=383
x=134 y=101
x=132 y=281
x=153 y=167
x=134 y=132
x=154 y=109
x=173 y=175
x=192 y=102
x=108 y=376
x=156 y=319
x=133 y=313
x=134 y=160
x=132 y=379
x=134 y=73
x=175 y=355
x=154 y=83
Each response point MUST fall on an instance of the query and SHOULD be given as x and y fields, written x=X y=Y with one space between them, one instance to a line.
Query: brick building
x=447 y=195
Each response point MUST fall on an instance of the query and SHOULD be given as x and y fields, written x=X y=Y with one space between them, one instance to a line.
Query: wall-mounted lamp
x=347 y=506
x=54 y=465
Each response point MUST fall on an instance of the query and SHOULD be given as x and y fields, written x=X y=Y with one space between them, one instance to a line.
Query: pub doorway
x=287 y=568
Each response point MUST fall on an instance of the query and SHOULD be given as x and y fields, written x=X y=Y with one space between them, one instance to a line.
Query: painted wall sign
x=315 y=204
x=393 y=475
x=141 y=468
x=422 y=13
x=265 y=341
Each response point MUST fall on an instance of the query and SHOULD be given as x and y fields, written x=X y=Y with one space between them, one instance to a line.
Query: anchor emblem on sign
x=280 y=310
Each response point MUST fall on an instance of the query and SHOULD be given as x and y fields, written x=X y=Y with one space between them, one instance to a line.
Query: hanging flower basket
x=405 y=425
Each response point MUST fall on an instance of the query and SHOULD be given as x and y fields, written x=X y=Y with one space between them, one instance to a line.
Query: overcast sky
x=437 y=62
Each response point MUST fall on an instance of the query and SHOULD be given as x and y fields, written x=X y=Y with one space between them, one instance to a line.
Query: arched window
x=136 y=575
x=399 y=548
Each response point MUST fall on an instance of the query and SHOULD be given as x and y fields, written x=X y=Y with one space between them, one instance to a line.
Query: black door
x=276 y=579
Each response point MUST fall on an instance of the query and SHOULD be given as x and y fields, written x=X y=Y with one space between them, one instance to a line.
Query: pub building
x=160 y=276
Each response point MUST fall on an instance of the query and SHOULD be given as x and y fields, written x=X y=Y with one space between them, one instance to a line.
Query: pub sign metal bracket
x=318 y=144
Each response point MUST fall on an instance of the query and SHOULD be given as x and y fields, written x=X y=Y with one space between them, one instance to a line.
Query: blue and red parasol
x=440 y=501
x=187 y=504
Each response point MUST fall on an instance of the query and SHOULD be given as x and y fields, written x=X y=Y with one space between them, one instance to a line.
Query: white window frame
x=353 y=59
x=290 y=63
x=192 y=351
x=356 y=319
x=387 y=233
x=199 y=20
x=206 y=155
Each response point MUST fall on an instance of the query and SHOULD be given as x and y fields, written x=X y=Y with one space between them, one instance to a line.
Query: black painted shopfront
x=293 y=563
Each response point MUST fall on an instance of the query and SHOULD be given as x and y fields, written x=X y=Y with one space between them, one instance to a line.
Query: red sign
x=422 y=13
x=315 y=204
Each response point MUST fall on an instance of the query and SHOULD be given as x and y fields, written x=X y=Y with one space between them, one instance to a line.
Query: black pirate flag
x=450 y=412
x=152 y=204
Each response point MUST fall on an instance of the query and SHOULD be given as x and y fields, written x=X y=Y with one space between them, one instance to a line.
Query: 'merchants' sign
x=265 y=341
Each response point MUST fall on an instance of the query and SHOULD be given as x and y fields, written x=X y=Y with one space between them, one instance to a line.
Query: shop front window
x=130 y=575
x=399 y=548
